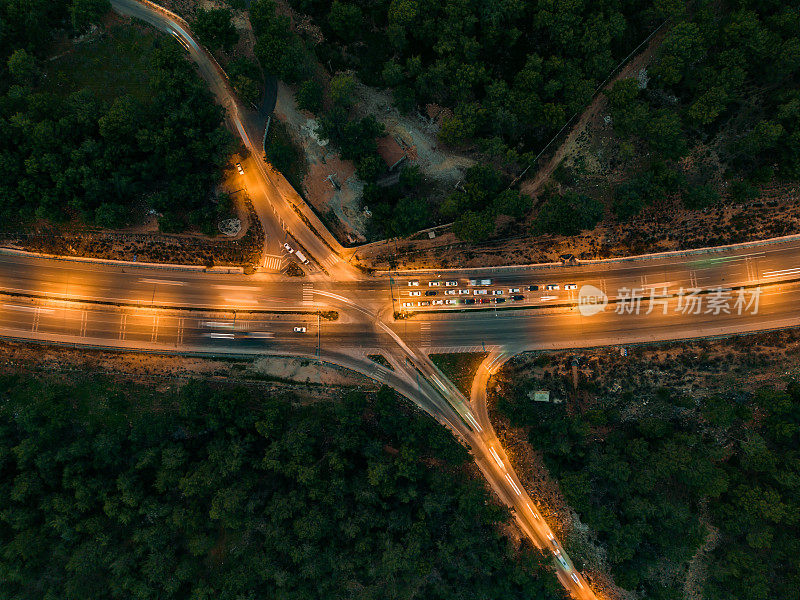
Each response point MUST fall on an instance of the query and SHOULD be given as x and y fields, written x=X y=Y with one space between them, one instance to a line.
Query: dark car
x=533 y=288
x=469 y=300
x=499 y=300
x=430 y=293
x=518 y=297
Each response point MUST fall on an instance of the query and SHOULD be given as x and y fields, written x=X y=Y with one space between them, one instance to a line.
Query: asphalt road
x=173 y=310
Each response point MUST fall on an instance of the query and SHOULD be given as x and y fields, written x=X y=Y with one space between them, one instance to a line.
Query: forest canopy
x=652 y=481
x=204 y=492
x=119 y=125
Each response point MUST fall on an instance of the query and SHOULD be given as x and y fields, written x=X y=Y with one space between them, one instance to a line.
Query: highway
x=171 y=309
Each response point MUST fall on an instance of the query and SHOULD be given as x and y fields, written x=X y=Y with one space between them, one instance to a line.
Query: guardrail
x=123 y=263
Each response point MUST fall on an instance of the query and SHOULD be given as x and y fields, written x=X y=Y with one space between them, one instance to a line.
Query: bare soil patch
x=143 y=244
x=305 y=380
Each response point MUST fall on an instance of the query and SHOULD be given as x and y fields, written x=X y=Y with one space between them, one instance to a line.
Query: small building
x=392 y=153
x=542 y=396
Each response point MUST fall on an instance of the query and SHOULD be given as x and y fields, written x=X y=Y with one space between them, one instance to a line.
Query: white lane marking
x=335 y=297
x=497 y=458
x=664 y=284
x=162 y=281
x=236 y=288
x=240 y=300
x=516 y=489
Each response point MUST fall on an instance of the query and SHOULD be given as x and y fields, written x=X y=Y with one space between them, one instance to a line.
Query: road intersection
x=349 y=315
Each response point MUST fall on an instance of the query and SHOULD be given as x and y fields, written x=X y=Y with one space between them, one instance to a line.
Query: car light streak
x=439 y=383
x=794 y=271
x=514 y=485
x=497 y=458
x=28 y=308
x=474 y=422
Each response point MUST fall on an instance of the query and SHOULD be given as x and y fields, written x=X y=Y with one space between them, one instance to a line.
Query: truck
x=302 y=257
x=480 y=282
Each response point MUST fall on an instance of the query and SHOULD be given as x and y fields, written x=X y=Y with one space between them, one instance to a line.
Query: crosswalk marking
x=329 y=260
x=154 y=333
x=180 y=331
x=273 y=262
x=425 y=334
x=123 y=324
x=460 y=349
x=308 y=294
x=84 y=322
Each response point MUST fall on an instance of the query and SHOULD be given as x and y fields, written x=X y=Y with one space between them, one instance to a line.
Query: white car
x=513 y=290
x=424 y=303
x=408 y=304
x=413 y=282
x=451 y=301
x=480 y=292
x=239 y=168
x=497 y=292
x=434 y=283
x=288 y=248
x=451 y=283
x=552 y=286
x=463 y=292
x=299 y=329
x=450 y=292
x=415 y=293
x=570 y=286
x=438 y=302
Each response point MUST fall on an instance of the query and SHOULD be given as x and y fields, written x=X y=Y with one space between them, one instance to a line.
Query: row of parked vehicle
x=451 y=301
x=478 y=288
